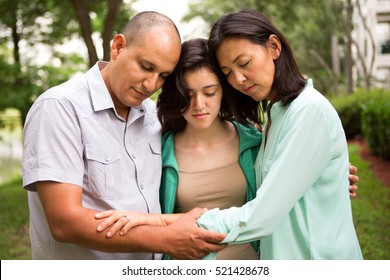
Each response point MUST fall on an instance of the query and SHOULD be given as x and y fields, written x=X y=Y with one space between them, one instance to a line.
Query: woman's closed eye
x=246 y=63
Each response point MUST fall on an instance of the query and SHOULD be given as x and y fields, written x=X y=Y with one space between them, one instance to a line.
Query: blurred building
x=372 y=37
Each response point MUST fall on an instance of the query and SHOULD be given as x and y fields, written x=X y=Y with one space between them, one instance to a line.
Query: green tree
x=309 y=25
x=47 y=24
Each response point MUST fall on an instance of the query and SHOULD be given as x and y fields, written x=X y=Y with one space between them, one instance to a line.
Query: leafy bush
x=376 y=123
x=349 y=108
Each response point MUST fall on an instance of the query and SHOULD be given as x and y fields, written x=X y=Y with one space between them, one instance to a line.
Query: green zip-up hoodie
x=250 y=139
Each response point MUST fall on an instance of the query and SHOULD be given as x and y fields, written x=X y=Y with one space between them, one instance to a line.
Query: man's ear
x=118 y=44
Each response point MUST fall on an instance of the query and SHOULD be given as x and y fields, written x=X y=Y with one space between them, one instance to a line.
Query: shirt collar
x=140 y=111
x=102 y=100
x=277 y=107
x=275 y=110
x=100 y=96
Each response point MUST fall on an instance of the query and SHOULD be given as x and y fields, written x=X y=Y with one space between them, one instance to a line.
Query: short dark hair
x=257 y=28
x=174 y=98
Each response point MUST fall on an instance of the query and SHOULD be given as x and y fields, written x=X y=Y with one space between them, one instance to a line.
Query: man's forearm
x=84 y=233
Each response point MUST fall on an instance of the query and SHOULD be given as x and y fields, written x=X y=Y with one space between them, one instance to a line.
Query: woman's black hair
x=255 y=27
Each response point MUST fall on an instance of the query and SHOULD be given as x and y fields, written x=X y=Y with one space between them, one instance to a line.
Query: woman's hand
x=123 y=221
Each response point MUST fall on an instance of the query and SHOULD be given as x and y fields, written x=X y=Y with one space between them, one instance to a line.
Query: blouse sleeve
x=304 y=147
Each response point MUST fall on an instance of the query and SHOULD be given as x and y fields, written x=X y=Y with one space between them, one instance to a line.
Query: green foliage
x=29 y=24
x=307 y=24
x=376 y=123
x=21 y=88
x=211 y=10
x=366 y=113
x=349 y=108
x=283 y=13
x=371 y=211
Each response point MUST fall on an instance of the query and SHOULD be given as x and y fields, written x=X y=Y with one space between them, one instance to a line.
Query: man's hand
x=186 y=240
x=353 y=179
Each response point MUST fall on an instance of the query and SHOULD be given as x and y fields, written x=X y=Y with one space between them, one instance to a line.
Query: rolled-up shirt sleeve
x=52 y=144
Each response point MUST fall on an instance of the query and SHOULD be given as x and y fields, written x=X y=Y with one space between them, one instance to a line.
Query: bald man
x=93 y=143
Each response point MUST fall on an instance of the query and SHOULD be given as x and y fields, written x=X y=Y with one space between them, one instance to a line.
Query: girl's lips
x=200 y=116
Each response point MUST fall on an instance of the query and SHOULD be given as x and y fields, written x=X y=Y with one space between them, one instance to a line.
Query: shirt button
x=133 y=155
x=141 y=186
x=242 y=224
x=107 y=158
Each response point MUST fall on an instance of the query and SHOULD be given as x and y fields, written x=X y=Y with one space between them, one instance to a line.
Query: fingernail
x=99 y=228
x=109 y=234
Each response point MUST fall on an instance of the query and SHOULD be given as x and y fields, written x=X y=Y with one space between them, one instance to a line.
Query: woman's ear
x=276 y=46
x=118 y=44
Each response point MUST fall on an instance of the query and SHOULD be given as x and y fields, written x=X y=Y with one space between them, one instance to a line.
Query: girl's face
x=249 y=67
x=205 y=92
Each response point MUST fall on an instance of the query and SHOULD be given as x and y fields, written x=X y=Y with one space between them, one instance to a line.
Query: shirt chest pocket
x=155 y=146
x=102 y=164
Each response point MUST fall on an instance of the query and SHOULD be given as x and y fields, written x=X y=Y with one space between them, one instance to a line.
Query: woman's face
x=205 y=91
x=249 y=67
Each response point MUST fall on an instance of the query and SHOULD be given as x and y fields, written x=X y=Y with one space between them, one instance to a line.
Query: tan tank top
x=222 y=188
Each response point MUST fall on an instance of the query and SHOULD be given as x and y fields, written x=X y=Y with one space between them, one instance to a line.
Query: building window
x=386 y=47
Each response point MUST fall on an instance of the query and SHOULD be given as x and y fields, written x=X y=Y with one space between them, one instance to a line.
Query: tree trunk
x=331 y=74
x=335 y=55
x=370 y=67
x=109 y=23
x=348 y=69
x=82 y=9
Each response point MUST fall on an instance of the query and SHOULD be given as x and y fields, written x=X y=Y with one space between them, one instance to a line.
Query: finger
x=215 y=247
x=126 y=228
x=196 y=212
x=104 y=214
x=107 y=223
x=352 y=169
x=353 y=188
x=213 y=237
x=353 y=179
x=117 y=226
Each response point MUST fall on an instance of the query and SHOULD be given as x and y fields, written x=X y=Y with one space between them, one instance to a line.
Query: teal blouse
x=302 y=209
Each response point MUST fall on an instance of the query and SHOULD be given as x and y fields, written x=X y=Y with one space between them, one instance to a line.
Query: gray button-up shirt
x=74 y=135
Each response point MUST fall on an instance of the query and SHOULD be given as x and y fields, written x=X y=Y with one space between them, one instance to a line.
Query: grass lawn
x=14 y=216
x=371 y=211
x=371 y=214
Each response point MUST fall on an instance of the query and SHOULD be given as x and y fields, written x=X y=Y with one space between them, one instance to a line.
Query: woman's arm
x=123 y=221
x=303 y=150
